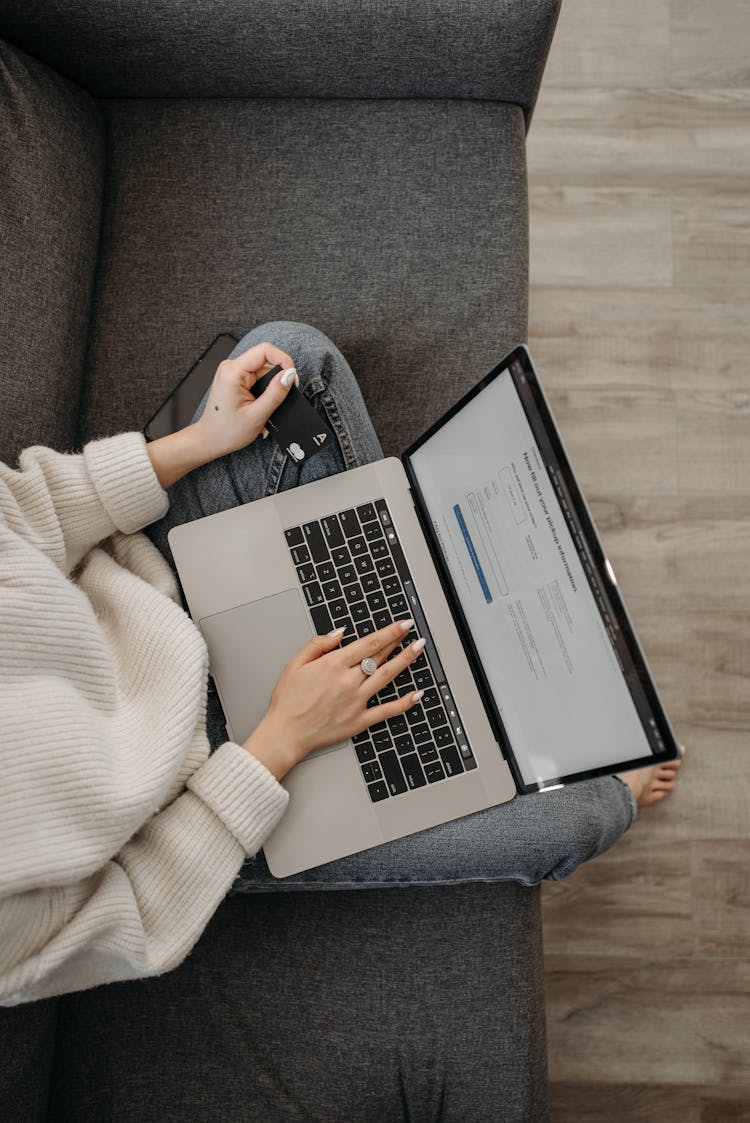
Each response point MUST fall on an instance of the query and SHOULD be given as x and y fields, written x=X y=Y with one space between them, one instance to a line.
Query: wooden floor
x=639 y=173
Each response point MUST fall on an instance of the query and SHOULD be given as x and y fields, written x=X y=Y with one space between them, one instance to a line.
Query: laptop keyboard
x=353 y=573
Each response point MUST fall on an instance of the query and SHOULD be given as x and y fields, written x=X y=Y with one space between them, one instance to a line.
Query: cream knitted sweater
x=119 y=834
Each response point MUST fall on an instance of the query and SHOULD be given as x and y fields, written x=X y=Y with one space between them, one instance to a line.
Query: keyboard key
x=366 y=512
x=338 y=608
x=331 y=590
x=300 y=554
x=442 y=736
x=326 y=572
x=451 y=760
x=376 y=600
x=340 y=555
x=388 y=693
x=313 y=593
x=294 y=536
x=357 y=546
x=398 y=605
x=358 y=738
x=436 y=717
x=394 y=777
x=353 y=593
x=403 y=678
x=404 y=743
x=349 y=523
x=347 y=574
x=398 y=724
x=372 y=772
x=391 y=586
x=415 y=714
x=420 y=663
x=434 y=772
x=382 y=619
x=431 y=698
x=364 y=563
x=427 y=753
x=379 y=548
x=365 y=753
x=373 y=532
x=332 y=531
x=370 y=582
x=348 y=626
x=413 y=771
x=421 y=734
x=360 y=612
x=381 y=738
x=377 y=791
x=306 y=573
x=321 y=619
x=365 y=628
x=316 y=543
x=422 y=679
x=383 y=513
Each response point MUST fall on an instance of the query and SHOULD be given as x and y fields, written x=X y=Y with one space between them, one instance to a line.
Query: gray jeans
x=545 y=835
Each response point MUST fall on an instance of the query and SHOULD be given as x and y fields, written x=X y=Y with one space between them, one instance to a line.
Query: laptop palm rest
x=249 y=646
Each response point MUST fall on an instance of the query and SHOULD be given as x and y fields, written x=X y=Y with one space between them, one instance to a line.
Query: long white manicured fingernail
x=338 y=631
x=418 y=644
x=406 y=624
x=287 y=377
x=417 y=695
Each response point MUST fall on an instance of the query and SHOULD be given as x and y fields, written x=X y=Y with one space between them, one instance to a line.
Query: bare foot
x=649 y=785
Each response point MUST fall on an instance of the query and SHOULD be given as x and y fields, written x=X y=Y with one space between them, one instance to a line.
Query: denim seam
x=314 y=386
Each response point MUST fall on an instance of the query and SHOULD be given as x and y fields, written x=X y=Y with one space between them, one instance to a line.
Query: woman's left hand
x=233 y=417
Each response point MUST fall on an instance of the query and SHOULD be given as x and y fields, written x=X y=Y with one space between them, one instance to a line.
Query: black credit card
x=295 y=426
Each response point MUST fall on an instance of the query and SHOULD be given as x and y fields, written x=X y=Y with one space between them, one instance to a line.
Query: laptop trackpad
x=249 y=646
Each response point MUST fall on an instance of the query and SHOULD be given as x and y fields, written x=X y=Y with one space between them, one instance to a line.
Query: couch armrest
x=485 y=49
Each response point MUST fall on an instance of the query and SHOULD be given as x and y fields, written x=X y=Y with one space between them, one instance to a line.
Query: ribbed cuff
x=242 y=792
x=125 y=481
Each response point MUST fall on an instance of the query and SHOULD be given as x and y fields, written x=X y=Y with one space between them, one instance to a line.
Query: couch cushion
x=335 y=1007
x=51 y=176
x=399 y=228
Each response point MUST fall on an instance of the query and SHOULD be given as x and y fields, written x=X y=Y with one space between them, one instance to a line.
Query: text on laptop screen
x=532 y=614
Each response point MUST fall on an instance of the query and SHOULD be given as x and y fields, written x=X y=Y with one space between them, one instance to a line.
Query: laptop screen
x=569 y=696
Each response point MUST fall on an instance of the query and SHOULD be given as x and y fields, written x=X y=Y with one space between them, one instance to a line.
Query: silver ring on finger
x=369 y=666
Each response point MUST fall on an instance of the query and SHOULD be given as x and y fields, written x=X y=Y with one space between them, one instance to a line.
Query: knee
x=588 y=818
x=309 y=347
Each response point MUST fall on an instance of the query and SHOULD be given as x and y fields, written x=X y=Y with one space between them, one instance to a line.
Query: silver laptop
x=532 y=673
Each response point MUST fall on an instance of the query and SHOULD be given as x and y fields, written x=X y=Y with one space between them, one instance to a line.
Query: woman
x=126 y=814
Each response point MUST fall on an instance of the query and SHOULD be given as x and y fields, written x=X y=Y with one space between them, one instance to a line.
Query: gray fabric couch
x=170 y=170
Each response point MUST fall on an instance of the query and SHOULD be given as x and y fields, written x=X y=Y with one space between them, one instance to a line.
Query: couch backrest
x=51 y=182
x=487 y=49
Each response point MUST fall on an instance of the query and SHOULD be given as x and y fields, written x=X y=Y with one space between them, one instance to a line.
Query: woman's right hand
x=322 y=693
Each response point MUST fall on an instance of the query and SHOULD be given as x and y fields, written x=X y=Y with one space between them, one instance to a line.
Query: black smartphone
x=179 y=408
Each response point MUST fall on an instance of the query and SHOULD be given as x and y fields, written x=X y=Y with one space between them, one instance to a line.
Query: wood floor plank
x=628 y=237
x=670 y=139
x=721 y=897
x=648 y=1103
x=711 y=240
x=709 y=42
x=670 y=1019
x=631 y=901
x=587 y=49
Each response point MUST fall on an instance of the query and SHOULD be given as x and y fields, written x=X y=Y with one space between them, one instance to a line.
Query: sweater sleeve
x=66 y=503
x=141 y=914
